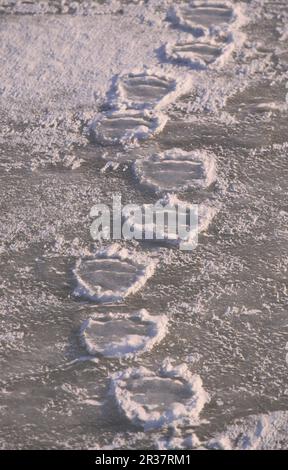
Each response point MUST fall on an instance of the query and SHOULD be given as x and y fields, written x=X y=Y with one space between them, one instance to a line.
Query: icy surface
x=152 y=400
x=123 y=334
x=226 y=300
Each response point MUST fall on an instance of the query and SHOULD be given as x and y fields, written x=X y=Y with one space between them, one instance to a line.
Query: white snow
x=49 y=61
x=59 y=70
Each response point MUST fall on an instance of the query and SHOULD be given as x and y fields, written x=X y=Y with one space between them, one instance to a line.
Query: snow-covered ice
x=124 y=73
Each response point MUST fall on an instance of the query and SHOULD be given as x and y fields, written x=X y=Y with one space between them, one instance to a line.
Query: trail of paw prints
x=135 y=111
x=212 y=28
x=135 y=108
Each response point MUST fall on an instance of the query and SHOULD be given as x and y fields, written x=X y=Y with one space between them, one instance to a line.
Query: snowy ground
x=220 y=312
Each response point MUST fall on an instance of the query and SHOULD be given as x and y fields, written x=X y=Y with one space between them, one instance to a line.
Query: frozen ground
x=64 y=70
